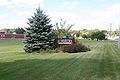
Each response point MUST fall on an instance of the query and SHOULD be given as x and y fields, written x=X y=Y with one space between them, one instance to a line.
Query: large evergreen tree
x=38 y=35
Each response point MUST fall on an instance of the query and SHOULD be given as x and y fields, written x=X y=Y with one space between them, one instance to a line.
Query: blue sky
x=85 y=14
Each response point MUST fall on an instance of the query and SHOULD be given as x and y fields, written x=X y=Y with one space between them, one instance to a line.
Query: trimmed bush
x=74 y=48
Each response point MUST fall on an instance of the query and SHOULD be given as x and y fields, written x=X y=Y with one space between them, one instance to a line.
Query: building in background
x=4 y=35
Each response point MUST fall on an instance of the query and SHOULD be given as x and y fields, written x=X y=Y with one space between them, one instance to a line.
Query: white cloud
x=100 y=19
x=23 y=13
x=102 y=0
x=21 y=3
x=56 y=16
x=109 y=15
x=13 y=24
x=75 y=3
x=3 y=15
x=80 y=21
x=111 y=11
x=66 y=3
x=94 y=20
x=72 y=4
x=3 y=2
x=71 y=18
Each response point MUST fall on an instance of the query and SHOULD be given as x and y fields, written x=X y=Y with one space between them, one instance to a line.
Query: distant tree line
x=94 y=34
x=97 y=34
x=62 y=28
x=15 y=30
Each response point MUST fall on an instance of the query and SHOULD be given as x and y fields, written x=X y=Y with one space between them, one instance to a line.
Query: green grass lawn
x=101 y=63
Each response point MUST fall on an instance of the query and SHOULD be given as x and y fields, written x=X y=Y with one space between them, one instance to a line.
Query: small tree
x=84 y=36
x=20 y=30
x=38 y=35
x=99 y=35
x=62 y=29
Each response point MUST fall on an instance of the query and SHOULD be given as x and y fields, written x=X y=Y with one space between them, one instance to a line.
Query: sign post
x=63 y=41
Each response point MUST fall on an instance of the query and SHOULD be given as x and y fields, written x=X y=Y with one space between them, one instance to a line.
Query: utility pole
x=110 y=26
x=110 y=30
x=119 y=38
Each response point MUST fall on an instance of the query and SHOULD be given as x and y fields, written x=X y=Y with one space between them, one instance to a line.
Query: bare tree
x=62 y=28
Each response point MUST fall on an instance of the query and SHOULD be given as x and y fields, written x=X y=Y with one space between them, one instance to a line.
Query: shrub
x=49 y=51
x=74 y=48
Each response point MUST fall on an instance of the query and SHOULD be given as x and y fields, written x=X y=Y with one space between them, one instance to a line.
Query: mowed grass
x=101 y=63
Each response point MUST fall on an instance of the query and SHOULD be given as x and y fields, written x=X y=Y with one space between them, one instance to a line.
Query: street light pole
x=110 y=30
x=119 y=38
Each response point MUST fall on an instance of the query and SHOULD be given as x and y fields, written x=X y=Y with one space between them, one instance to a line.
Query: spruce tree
x=38 y=35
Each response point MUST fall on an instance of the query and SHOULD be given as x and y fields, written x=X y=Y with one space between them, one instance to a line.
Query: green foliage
x=113 y=33
x=101 y=63
x=74 y=48
x=61 y=32
x=19 y=30
x=38 y=35
x=84 y=31
x=49 y=51
x=99 y=35
x=63 y=29
x=84 y=36
x=7 y=30
x=77 y=34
